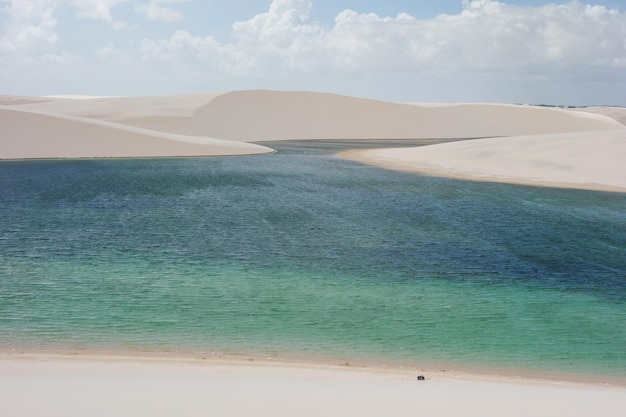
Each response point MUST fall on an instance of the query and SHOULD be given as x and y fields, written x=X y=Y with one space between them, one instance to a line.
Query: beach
x=583 y=160
x=123 y=386
x=519 y=144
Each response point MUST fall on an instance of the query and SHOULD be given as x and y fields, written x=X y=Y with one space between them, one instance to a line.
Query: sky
x=510 y=51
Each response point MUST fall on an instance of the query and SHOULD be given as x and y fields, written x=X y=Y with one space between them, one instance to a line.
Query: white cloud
x=62 y=58
x=488 y=40
x=153 y=10
x=277 y=40
x=31 y=23
x=281 y=39
x=486 y=36
x=101 y=9
x=196 y=54
x=94 y=9
x=379 y=43
x=110 y=55
x=284 y=18
x=31 y=26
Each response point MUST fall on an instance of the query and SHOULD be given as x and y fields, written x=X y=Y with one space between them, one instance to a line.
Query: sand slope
x=39 y=135
x=273 y=115
x=585 y=160
x=589 y=159
x=616 y=113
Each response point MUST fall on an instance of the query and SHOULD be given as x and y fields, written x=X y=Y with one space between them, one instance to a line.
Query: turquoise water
x=302 y=253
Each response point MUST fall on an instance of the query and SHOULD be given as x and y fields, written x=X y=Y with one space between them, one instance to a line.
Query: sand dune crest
x=273 y=115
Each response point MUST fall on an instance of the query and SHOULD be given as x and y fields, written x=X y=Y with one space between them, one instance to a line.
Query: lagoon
x=302 y=253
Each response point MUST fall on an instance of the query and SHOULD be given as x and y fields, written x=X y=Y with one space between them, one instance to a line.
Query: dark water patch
x=327 y=147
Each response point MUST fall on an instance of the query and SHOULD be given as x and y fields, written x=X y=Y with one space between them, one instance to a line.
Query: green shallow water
x=303 y=253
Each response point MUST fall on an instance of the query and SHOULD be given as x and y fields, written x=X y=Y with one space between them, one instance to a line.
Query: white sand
x=55 y=386
x=271 y=115
x=587 y=160
x=582 y=157
x=223 y=124
x=27 y=134
x=616 y=113
x=70 y=127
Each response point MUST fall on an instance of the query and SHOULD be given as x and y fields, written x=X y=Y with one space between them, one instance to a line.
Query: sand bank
x=79 y=386
x=584 y=160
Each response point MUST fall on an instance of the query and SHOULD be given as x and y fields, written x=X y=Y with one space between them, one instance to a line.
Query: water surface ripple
x=302 y=252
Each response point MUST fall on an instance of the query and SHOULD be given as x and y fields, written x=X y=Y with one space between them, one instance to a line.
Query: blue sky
x=559 y=52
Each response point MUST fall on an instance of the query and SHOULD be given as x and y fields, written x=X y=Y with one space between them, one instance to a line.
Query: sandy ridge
x=260 y=115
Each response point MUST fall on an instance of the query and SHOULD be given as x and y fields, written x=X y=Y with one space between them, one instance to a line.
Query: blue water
x=303 y=253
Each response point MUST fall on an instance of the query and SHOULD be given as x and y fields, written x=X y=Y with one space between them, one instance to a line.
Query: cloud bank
x=488 y=42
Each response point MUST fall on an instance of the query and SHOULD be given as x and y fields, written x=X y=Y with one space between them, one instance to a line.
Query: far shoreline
x=361 y=155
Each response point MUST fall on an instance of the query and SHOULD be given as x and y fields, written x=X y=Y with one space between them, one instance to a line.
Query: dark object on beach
x=421 y=378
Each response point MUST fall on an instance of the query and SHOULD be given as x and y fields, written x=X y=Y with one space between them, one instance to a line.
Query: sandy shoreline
x=157 y=386
x=585 y=160
x=559 y=161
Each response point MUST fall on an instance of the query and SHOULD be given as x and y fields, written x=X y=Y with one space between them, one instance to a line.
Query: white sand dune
x=113 y=109
x=39 y=135
x=253 y=116
x=586 y=160
x=269 y=115
x=616 y=113
x=215 y=124
x=131 y=387
x=218 y=124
